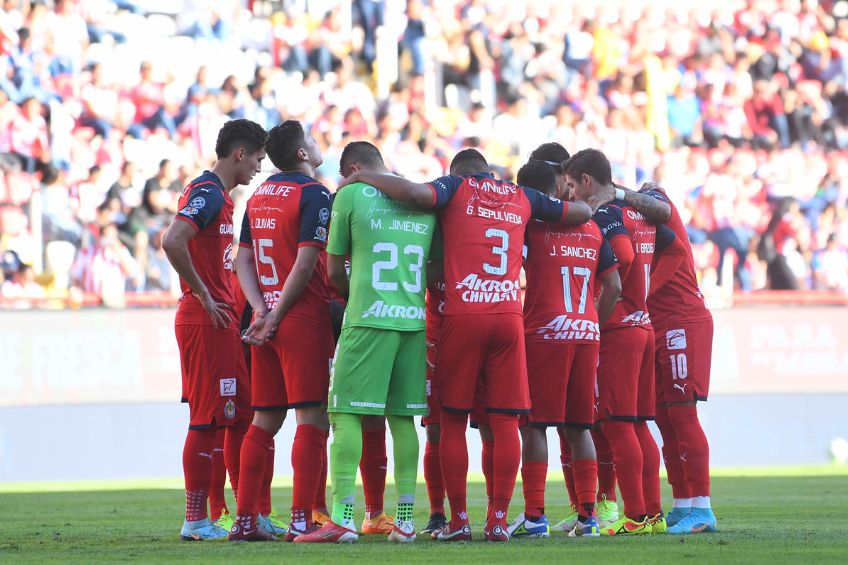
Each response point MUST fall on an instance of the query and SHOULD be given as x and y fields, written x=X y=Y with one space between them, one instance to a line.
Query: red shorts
x=215 y=381
x=626 y=374
x=684 y=355
x=562 y=383
x=293 y=369
x=488 y=349
x=433 y=404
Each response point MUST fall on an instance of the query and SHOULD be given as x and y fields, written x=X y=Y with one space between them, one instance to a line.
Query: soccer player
x=626 y=370
x=483 y=222
x=562 y=336
x=199 y=245
x=380 y=359
x=282 y=270
x=684 y=328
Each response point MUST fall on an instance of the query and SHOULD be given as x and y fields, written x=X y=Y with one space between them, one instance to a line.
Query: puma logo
x=681 y=387
x=683 y=457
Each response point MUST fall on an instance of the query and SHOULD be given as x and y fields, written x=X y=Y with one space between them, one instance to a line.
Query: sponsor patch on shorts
x=675 y=339
x=228 y=387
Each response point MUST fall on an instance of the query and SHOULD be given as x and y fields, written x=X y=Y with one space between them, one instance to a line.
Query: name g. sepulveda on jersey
x=487 y=290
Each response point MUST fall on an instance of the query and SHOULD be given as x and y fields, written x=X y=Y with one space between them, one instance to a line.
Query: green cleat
x=658 y=524
x=568 y=523
x=607 y=512
x=624 y=526
x=277 y=521
x=224 y=521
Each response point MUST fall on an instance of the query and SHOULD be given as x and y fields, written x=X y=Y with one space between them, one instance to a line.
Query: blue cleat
x=677 y=513
x=524 y=528
x=698 y=521
x=202 y=530
x=588 y=529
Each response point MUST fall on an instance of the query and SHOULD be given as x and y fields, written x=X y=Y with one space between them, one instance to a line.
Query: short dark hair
x=283 y=142
x=538 y=175
x=468 y=161
x=240 y=133
x=360 y=152
x=589 y=162
x=551 y=152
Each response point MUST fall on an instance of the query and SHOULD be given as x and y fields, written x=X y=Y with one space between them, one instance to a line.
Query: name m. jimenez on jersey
x=563 y=265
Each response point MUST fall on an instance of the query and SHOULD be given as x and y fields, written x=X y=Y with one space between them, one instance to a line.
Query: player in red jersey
x=282 y=269
x=626 y=369
x=199 y=245
x=483 y=222
x=684 y=329
x=562 y=336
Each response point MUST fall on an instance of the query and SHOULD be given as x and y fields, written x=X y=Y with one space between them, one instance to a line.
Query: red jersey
x=619 y=220
x=563 y=265
x=207 y=207
x=680 y=298
x=434 y=309
x=289 y=211
x=482 y=222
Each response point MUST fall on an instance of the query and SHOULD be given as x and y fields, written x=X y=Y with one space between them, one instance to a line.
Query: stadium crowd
x=107 y=108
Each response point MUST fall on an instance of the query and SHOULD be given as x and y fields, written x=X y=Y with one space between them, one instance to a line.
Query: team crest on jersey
x=675 y=339
x=197 y=202
x=321 y=233
x=230 y=410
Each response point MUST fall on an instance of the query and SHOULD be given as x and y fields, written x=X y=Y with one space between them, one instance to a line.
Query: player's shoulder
x=206 y=183
x=610 y=210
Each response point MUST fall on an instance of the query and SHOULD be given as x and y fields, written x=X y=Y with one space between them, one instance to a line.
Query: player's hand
x=603 y=196
x=350 y=179
x=261 y=330
x=651 y=185
x=218 y=311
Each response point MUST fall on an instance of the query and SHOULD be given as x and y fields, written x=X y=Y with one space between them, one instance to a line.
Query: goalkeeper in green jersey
x=379 y=367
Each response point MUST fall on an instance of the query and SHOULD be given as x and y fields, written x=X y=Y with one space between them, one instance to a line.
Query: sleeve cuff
x=564 y=211
x=608 y=270
x=311 y=244
x=245 y=244
x=434 y=194
x=189 y=221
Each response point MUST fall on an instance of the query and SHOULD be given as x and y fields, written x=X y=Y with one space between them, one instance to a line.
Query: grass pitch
x=770 y=517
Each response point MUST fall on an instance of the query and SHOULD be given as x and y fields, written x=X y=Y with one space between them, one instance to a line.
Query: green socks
x=345 y=452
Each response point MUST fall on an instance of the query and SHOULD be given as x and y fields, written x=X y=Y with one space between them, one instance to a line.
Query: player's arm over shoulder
x=395 y=187
x=554 y=210
x=652 y=204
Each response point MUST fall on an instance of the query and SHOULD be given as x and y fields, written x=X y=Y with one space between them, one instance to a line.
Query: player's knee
x=434 y=432
x=269 y=420
x=373 y=422
x=313 y=416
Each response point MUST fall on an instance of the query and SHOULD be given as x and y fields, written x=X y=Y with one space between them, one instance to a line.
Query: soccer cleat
x=658 y=524
x=254 y=533
x=437 y=522
x=202 y=530
x=403 y=532
x=700 y=520
x=524 y=528
x=320 y=518
x=587 y=529
x=568 y=523
x=677 y=513
x=379 y=524
x=225 y=521
x=277 y=521
x=624 y=526
x=328 y=533
x=607 y=512
x=495 y=532
x=266 y=524
x=463 y=533
x=294 y=533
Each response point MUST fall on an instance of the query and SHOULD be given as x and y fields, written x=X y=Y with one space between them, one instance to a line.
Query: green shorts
x=379 y=372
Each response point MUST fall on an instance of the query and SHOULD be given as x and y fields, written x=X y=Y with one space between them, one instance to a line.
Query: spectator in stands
x=106 y=268
x=148 y=97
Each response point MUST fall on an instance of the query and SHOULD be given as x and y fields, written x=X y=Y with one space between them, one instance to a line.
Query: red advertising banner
x=130 y=356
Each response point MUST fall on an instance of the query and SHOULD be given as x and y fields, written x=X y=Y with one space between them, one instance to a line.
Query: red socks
x=585 y=479
x=233 y=437
x=454 y=453
x=267 y=479
x=433 y=478
x=309 y=443
x=692 y=446
x=197 y=469
x=671 y=457
x=627 y=454
x=373 y=466
x=606 y=467
x=217 y=502
x=487 y=461
x=320 y=502
x=507 y=459
x=567 y=469
x=254 y=456
x=650 y=469
x=533 y=476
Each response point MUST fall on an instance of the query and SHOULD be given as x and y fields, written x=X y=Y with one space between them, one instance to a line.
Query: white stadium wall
x=95 y=394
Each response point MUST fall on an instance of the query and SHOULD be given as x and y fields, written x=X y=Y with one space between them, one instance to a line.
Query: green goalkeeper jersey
x=388 y=244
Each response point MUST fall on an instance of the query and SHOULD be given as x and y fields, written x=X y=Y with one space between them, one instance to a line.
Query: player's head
x=538 y=175
x=554 y=155
x=289 y=147
x=242 y=144
x=360 y=155
x=585 y=171
x=469 y=162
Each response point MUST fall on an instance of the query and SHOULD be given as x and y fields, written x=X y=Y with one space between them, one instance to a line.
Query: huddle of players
x=509 y=366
